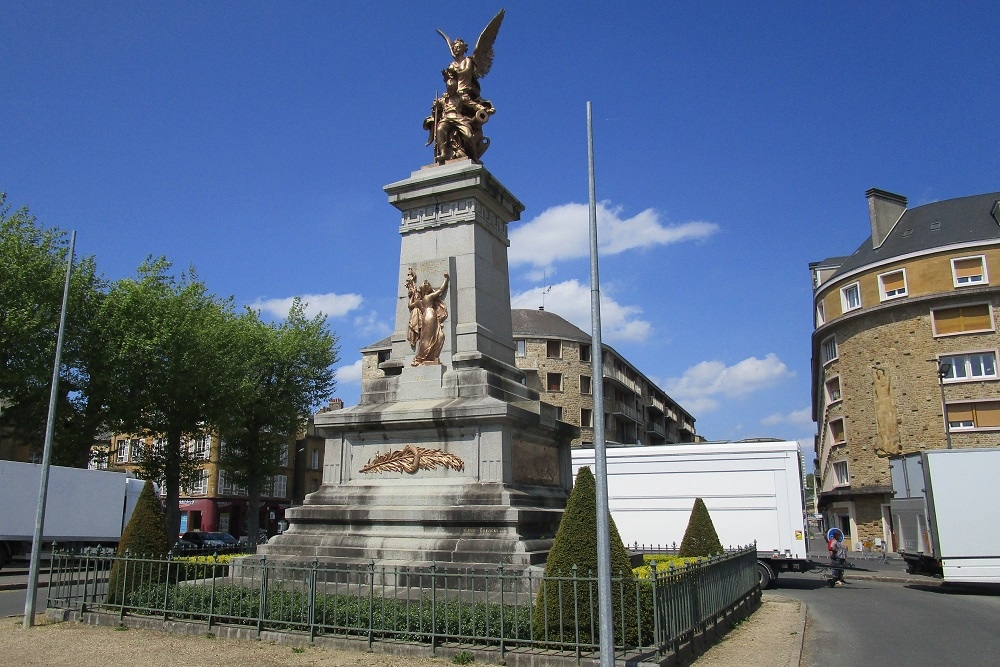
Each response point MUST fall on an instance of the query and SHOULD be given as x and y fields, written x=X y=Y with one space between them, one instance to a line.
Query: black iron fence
x=500 y=608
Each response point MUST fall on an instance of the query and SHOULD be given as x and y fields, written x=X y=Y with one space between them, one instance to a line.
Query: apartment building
x=904 y=350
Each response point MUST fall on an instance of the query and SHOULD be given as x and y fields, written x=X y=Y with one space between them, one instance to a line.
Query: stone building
x=556 y=356
x=904 y=350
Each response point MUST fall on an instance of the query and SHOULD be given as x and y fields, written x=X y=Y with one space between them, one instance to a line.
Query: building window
x=200 y=447
x=850 y=297
x=972 y=366
x=314 y=460
x=383 y=356
x=135 y=449
x=313 y=485
x=837 y=435
x=584 y=352
x=833 y=390
x=559 y=412
x=280 y=486
x=820 y=314
x=892 y=284
x=121 y=451
x=963 y=319
x=522 y=350
x=283 y=456
x=554 y=381
x=841 y=476
x=199 y=484
x=224 y=487
x=984 y=414
x=829 y=349
x=969 y=271
x=586 y=418
x=585 y=385
x=553 y=349
x=35 y=456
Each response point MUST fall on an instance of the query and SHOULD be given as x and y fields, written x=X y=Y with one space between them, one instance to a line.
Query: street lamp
x=944 y=369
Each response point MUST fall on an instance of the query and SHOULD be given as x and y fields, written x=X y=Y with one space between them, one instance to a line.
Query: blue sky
x=734 y=143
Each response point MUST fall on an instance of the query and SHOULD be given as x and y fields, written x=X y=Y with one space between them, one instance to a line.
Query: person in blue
x=838 y=555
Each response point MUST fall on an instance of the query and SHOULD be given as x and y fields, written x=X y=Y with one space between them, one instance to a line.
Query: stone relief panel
x=535 y=464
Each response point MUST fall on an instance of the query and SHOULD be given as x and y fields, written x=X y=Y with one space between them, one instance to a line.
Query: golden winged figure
x=457 y=117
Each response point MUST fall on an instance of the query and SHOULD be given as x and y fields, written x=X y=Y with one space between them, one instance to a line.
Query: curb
x=800 y=645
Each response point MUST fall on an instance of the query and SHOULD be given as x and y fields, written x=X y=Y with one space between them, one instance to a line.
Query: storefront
x=229 y=515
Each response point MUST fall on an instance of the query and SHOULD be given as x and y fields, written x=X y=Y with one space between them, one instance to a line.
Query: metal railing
x=499 y=608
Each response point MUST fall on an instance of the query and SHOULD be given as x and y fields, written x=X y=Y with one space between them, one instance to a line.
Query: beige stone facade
x=887 y=319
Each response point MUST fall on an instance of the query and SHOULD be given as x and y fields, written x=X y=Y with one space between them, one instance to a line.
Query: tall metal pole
x=604 y=599
x=36 y=545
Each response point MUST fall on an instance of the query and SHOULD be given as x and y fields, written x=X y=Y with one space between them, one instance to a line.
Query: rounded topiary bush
x=700 y=538
x=145 y=537
x=576 y=544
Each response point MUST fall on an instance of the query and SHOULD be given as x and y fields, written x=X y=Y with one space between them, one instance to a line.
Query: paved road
x=881 y=623
x=12 y=602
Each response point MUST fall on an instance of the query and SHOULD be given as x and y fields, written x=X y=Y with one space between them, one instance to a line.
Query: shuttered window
x=962 y=319
x=893 y=284
x=985 y=414
x=837 y=430
x=968 y=271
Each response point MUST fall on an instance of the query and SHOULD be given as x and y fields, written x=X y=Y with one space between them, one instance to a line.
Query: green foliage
x=285 y=371
x=663 y=564
x=463 y=658
x=700 y=538
x=170 y=366
x=557 y=616
x=33 y=262
x=145 y=535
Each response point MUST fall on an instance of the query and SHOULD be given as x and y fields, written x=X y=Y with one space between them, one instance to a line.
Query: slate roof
x=950 y=222
x=529 y=323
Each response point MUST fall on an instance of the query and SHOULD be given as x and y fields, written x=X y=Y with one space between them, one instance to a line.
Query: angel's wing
x=482 y=56
x=446 y=40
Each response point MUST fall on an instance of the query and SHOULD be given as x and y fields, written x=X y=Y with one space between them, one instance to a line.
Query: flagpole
x=43 y=487
x=604 y=600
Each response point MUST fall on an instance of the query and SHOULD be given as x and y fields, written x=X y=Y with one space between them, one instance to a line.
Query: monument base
x=457 y=462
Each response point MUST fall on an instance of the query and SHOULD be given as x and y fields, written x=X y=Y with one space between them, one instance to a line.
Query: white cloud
x=370 y=326
x=349 y=374
x=699 y=389
x=571 y=300
x=795 y=418
x=333 y=305
x=562 y=232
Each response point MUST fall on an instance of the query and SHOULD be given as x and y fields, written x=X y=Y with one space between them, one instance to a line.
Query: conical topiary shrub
x=576 y=544
x=145 y=535
x=700 y=538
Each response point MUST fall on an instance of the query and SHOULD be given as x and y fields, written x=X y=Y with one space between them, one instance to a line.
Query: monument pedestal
x=456 y=463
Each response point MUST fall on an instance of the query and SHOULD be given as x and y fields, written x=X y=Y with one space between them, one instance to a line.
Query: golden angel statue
x=456 y=122
x=425 y=332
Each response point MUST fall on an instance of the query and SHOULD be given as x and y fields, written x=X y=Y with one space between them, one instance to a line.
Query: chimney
x=885 y=210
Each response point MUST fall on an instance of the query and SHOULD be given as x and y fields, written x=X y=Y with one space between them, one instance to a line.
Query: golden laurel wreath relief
x=410 y=459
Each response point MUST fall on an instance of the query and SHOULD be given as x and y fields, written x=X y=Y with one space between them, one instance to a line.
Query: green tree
x=33 y=262
x=575 y=544
x=145 y=535
x=700 y=538
x=285 y=371
x=168 y=368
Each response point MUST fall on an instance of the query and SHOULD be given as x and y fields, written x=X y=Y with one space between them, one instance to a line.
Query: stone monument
x=448 y=458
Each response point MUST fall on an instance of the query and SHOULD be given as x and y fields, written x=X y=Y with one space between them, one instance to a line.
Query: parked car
x=196 y=539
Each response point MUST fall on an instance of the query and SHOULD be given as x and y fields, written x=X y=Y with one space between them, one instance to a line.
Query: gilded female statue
x=427 y=316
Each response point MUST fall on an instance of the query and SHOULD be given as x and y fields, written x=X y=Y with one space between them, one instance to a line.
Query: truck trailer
x=752 y=489
x=944 y=511
x=83 y=507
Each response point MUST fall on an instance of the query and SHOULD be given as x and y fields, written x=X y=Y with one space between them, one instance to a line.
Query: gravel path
x=771 y=637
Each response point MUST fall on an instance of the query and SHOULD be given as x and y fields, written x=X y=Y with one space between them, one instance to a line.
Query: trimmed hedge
x=144 y=535
x=700 y=538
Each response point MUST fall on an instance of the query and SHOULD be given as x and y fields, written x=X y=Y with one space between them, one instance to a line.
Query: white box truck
x=82 y=506
x=944 y=513
x=752 y=489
